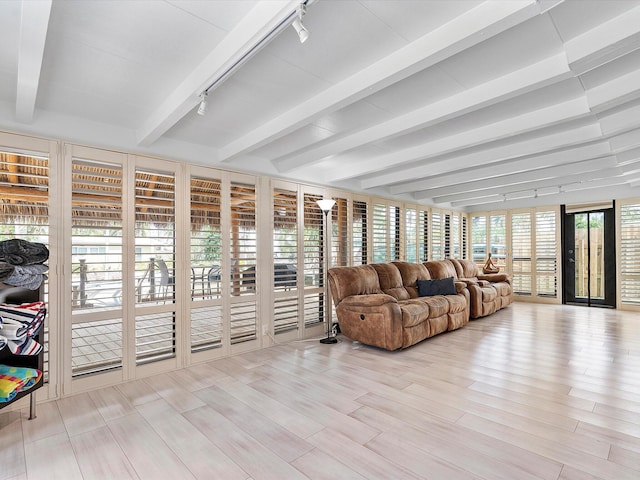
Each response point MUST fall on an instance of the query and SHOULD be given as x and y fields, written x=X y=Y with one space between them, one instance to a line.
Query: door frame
x=567 y=228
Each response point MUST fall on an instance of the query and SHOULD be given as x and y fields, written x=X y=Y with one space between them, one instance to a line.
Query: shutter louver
x=244 y=255
x=546 y=254
x=285 y=258
x=96 y=256
x=313 y=260
x=521 y=248
x=630 y=254
x=206 y=264
x=359 y=233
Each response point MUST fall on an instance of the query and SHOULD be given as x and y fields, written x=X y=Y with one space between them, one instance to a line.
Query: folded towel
x=12 y=330
x=22 y=252
x=16 y=379
x=27 y=276
x=30 y=315
x=6 y=270
x=25 y=346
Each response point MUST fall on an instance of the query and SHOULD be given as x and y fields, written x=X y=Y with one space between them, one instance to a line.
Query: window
x=423 y=235
x=498 y=240
x=313 y=260
x=630 y=253
x=285 y=259
x=339 y=236
x=24 y=208
x=359 y=232
x=546 y=254
x=521 y=253
x=155 y=274
x=410 y=235
x=205 y=251
x=243 y=254
x=437 y=246
x=380 y=237
x=96 y=265
x=479 y=239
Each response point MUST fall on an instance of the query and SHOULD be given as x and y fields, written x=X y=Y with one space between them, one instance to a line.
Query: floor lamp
x=326 y=204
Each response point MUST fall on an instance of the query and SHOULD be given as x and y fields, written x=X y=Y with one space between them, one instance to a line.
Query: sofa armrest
x=373 y=319
x=495 y=277
x=460 y=286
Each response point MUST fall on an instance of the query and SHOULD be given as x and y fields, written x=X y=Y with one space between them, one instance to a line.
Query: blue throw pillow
x=439 y=286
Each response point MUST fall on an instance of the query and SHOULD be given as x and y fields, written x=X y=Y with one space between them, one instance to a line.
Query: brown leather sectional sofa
x=380 y=304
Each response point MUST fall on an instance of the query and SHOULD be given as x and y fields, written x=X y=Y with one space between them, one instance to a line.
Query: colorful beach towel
x=16 y=379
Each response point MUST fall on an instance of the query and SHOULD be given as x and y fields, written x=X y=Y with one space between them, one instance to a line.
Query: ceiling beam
x=492 y=154
x=604 y=43
x=509 y=127
x=475 y=26
x=453 y=182
x=538 y=75
x=244 y=40
x=591 y=170
x=34 y=23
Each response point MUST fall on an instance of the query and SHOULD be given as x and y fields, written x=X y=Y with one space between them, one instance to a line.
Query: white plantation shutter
x=521 y=249
x=313 y=260
x=97 y=266
x=423 y=235
x=498 y=240
x=437 y=247
x=339 y=235
x=446 y=235
x=455 y=236
x=465 y=245
x=380 y=238
x=285 y=258
x=243 y=281
x=546 y=254
x=205 y=263
x=155 y=264
x=24 y=209
x=630 y=253
x=359 y=233
x=479 y=239
x=410 y=225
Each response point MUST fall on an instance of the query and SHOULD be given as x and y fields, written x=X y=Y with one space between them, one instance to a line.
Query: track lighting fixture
x=300 y=29
x=202 y=109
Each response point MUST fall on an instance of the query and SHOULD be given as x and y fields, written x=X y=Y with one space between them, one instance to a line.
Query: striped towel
x=16 y=379
x=30 y=315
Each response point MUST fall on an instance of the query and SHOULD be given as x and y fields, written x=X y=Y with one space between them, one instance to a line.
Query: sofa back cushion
x=441 y=269
x=391 y=280
x=465 y=268
x=411 y=273
x=347 y=281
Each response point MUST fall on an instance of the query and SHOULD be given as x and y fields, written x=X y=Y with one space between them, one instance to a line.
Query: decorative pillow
x=440 y=286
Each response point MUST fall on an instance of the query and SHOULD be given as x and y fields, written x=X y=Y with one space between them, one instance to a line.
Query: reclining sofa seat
x=379 y=305
x=488 y=292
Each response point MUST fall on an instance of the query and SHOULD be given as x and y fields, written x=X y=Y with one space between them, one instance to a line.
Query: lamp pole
x=326 y=204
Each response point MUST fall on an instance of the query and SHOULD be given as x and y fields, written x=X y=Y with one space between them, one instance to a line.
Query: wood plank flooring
x=531 y=392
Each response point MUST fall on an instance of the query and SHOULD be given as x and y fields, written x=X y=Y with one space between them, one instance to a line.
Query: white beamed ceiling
x=476 y=105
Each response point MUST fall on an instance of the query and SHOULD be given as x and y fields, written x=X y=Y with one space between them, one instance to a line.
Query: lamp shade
x=326 y=204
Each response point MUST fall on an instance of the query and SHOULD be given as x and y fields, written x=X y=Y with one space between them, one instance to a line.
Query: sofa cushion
x=439 y=286
x=438 y=305
x=413 y=313
x=457 y=303
x=502 y=288
x=489 y=294
x=347 y=281
x=465 y=268
x=441 y=269
x=391 y=280
x=411 y=273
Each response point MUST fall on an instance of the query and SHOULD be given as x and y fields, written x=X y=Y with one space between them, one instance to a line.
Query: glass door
x=589 y=258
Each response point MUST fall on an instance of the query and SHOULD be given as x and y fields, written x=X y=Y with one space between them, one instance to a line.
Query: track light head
x=202 y=109
x=301 y=30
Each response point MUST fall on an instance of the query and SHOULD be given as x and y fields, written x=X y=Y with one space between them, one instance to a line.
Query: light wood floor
x=534 y=391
